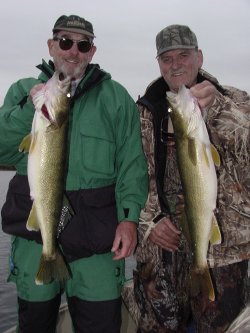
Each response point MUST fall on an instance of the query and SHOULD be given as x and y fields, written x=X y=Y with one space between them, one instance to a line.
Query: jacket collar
x=93 y=76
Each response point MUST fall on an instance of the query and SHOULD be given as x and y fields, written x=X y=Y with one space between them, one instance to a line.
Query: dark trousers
x=87 y=317
x=171 y=311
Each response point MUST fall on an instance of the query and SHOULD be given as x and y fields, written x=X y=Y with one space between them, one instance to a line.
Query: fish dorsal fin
x=32 y=223
x=192 y=152
x=215 y=155
x=25 y=144
x=215 y=237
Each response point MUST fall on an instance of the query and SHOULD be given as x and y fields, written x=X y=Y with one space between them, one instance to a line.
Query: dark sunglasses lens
x=65 y=44
x=84 y=46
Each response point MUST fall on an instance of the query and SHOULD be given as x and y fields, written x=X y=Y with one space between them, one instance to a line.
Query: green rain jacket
x=104 y=138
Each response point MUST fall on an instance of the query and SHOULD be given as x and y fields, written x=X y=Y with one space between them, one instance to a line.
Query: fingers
x=125 y=240
x=166 y=235
x=34 y=93
x=205 y=92
x=35 y=89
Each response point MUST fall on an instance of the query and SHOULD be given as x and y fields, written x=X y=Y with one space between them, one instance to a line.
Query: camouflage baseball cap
x=175 y=37
x=74 y=23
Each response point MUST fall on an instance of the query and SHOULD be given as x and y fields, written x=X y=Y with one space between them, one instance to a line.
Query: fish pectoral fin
x=204 y=155
x=52 y=127
x=61 y=117
x=192 y=151
x=32 y=222
x=24 y=146
x=215 y=155
x=50 y=270
x=215 y=237
x=201 y=282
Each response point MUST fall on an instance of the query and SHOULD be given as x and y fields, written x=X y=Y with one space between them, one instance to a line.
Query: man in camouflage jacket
x=161 y=280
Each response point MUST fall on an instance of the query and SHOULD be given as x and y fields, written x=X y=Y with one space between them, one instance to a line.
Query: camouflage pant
x=165 y=304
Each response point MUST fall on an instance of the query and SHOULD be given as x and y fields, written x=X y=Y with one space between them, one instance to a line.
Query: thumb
x=116 y=244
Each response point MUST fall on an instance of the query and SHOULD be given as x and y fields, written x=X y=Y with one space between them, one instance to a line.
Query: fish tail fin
x=50 y=270
x=44 y=274
x=215 y=237
x=60 y=268
x=202 y=283
x=207 y=285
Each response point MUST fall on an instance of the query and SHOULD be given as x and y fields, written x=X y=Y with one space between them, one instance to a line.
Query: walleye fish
x=196 y=158
x=46 y=145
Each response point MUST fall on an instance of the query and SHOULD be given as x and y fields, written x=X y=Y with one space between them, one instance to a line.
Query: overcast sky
x=125 y=36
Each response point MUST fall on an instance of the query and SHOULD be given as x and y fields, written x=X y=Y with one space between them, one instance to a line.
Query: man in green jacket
x=106 y=184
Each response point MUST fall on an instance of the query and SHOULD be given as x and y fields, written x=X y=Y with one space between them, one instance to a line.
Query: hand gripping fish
x=47 y=144
x=196 y=158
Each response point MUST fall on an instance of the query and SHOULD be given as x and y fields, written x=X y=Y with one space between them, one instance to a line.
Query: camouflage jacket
x=228 y=121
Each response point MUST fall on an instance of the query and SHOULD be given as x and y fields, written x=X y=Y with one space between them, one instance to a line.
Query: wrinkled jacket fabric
x=228 y=121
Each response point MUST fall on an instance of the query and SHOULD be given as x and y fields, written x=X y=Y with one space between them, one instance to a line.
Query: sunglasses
x=67 y=43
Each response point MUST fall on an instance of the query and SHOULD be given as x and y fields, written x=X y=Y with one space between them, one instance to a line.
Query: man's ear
x=200 y=58
x=50 y=43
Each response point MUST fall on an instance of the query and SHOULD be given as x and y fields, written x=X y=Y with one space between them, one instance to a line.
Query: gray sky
x=125 y=31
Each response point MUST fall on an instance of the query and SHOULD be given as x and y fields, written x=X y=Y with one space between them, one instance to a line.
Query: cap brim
x=78 y=31
x=174 y=47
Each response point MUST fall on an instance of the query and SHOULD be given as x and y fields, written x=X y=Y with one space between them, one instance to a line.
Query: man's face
x=180 y=67
x=70 y=62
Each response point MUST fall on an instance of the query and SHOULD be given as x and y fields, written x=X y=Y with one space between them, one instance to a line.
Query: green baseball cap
x=74 y=23
x=175 y=37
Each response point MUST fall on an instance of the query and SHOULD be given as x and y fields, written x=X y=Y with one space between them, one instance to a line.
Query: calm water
x=7 y=290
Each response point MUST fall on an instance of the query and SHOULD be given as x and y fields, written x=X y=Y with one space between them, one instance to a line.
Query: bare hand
x=205 y=92
x=35 y=89
x=166 y=235
x=125 y=240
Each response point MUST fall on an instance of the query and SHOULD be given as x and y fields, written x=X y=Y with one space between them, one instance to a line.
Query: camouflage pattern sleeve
x=228 y=122
x=147 y=251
